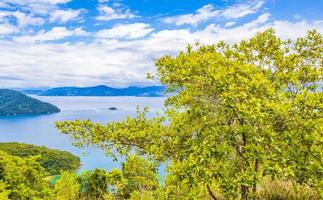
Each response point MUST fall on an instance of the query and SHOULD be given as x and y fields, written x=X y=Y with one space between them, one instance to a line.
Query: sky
x=51 y=43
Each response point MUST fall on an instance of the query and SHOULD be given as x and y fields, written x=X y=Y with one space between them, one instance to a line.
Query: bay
x=40 y=130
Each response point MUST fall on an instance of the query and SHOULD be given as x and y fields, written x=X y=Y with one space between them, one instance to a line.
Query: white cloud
x=208 y=12
x=203 y=14
x=298 y=17
x=7 y=29
x=286 y=29
x=242 y=10
x=127 y=31
x=26 y=2
x=108 y=13
x=4 y=5
x=22 y=18
x=55 y=33
x=117 y=62
x=63 y=16
x=229 y=24
x=42 y=7
x=260 y=20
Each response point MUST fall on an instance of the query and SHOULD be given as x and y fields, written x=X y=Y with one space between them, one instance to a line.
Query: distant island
x=113 y=108
x=15 y=103
x=101 y=90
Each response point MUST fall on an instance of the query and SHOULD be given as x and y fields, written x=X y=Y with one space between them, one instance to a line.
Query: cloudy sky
x=49 y=43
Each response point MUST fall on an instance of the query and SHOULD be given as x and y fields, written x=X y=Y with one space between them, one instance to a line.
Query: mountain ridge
x=102 y=90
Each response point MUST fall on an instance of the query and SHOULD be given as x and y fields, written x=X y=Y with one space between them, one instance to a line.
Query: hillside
x=102 y=90
x=52 y=160
x=16 y=103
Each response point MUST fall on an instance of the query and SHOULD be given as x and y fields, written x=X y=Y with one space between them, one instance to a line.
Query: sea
x=40 y=130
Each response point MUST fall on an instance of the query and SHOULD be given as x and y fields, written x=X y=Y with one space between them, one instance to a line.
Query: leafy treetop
x=239 y=113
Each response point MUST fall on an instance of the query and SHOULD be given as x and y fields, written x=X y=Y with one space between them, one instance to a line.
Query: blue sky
x=49 y=43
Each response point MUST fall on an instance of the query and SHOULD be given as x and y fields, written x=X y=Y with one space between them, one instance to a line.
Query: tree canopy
x=238 y=113
x=54 y=161
x=22 y=179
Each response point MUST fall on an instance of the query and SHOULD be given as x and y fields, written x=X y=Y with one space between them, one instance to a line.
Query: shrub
x=285 y=190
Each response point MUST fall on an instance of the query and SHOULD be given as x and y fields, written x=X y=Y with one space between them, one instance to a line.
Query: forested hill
x=102 y=90
x=54 y=161
x=16 y=103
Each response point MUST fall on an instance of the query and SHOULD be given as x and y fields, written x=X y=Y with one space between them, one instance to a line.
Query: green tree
x=117 y=182
x=67 y=187
x=4 y=193
x=52 y=160
x=175 y=188
x=94 y=184
x=22 y=178
x=239 y=112
x=140 y=174
x=142 y=195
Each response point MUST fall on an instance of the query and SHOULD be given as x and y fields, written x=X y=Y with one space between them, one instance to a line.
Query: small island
x=113 y=108
x=14 y=103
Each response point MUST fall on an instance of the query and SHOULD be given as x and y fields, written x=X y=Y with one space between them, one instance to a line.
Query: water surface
x=40 y=130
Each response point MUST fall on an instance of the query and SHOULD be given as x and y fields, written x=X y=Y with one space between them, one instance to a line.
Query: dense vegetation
x=102 y=90
x=54 y=161
x=245 y=122
x=25 y=179
x=241 y=114
x=15 y=103
x=22 y=179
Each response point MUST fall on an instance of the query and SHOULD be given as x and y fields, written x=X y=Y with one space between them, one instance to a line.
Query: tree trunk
x=213 y=197
x=254 y=187
x=244 y=192
x=244 y=189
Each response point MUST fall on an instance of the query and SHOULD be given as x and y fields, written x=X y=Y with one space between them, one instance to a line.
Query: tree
x=137 y=175
x=67 y=187
x=142 y=195
x=94 y=184
x=239 y=113
x=23 y=178
x=140 y=175
x=4 y=193
x=117 y=182
x=175 y=188
x=52 y=160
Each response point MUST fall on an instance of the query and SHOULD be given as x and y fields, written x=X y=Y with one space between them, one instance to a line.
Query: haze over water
x=40 y=130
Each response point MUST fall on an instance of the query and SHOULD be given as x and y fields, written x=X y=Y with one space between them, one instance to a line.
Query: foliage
x=142 y=195
x=22 y=178
x=94 y=185
x=285 y=190
x=52 y=160
x=15 y=103
x=140 y=174
x=240 y=112
x=136 y=175
x=4 y=193
x=25 y=179
x=117 y=182
x=67 y=187
x=174 y=188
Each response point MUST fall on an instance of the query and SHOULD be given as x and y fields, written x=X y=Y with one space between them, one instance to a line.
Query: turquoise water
x=40 y=130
